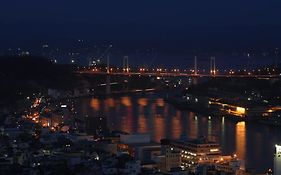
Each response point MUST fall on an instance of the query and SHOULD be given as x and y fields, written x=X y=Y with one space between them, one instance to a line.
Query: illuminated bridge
x=265 y=73
x=213 y=71
x=178 y=74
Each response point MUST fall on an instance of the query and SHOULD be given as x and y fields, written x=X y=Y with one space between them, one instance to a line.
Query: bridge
x=125 y=71
x=178 y=74
x=214 y=72
x=109 y=74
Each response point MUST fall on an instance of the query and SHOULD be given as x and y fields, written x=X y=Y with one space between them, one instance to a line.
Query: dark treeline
x=24 y=75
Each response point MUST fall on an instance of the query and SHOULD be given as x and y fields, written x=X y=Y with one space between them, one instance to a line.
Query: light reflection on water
x=240 y=139
x=151 y=114
x=95 y=104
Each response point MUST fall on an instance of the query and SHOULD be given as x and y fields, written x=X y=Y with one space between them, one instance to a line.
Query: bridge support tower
x=108 y=88
x=126 y=64
x=213 y=66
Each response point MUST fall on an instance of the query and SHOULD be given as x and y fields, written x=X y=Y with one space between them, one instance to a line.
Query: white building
x=277 y=160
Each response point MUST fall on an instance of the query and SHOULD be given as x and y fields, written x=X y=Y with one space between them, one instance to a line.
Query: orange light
x=240 y=110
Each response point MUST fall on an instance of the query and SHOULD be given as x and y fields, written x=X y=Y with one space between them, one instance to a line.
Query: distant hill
x=21 y=76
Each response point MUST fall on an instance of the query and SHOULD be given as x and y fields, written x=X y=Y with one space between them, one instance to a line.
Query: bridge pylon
x=107 y=65
x=126 y=64
x=108 y=88
x=213 y=66
x=195 y=66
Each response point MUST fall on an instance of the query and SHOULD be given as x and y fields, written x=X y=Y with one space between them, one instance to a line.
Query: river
x=149 y=113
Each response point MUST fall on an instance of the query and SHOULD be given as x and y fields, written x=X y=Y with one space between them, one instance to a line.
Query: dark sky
x=237 y=23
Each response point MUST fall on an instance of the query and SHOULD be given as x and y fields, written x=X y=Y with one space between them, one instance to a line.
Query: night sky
x=153 y=23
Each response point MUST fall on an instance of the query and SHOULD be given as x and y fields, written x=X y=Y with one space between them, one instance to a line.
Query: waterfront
x=151 y=114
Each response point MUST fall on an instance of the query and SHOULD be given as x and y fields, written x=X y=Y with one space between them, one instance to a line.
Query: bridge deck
x=178 y=74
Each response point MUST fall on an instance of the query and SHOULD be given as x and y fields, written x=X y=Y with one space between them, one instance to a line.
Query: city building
x=171 y=159
x=196 y=151
x=231 y=166
x=138 y=146
x=277 y=160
